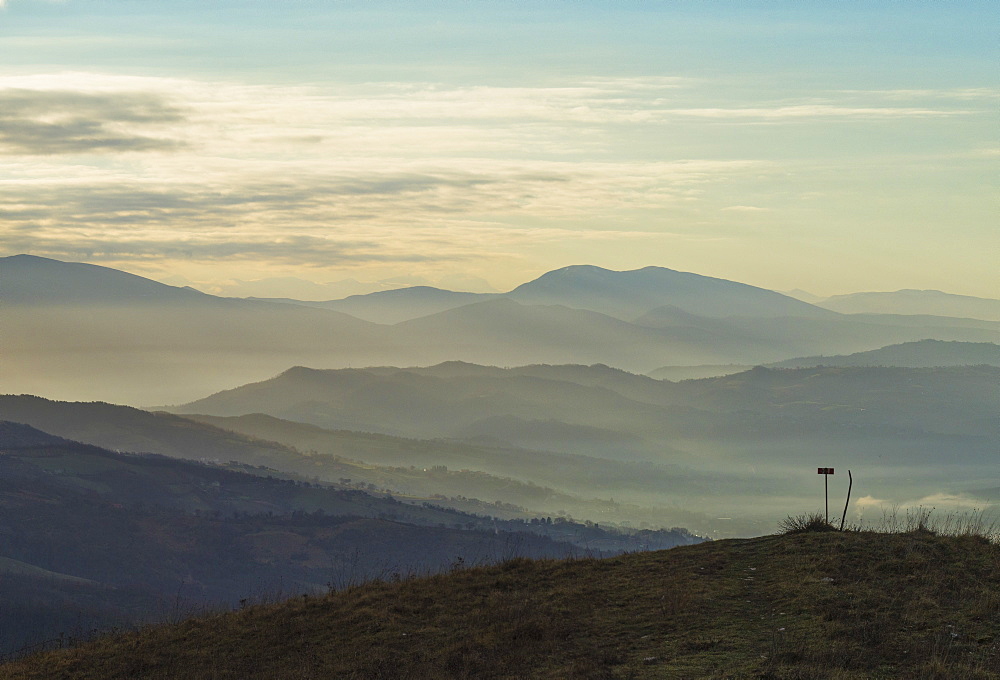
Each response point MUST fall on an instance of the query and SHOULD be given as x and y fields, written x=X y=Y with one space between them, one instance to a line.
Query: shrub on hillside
x=800 y=524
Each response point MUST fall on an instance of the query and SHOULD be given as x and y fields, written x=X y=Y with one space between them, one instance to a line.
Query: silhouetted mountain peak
x=408 y=292
x=29 y=279
x=629 y=294
x=624 y=295
x=398 y=304
x=296 y=372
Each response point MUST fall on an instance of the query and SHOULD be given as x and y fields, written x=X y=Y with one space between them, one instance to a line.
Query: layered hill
x=31 y=280
x=630 y=294
x=740 y=446
x=97 y=332
x=813 y=605
x=83 y=332
x=400 y=304
x=920 y=354
x=623 y=295
x=506 y=332
x=426 y=404
x=786 y=336
x=930 y=302
x=439 y=400
x=917 y=354
x=493 y=481
x=590 y=441
x=94 y=539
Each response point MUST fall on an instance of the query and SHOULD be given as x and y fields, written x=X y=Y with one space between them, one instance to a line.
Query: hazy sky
x=830 y=146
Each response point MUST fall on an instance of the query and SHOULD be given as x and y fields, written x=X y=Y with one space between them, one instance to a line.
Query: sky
x=273 y=148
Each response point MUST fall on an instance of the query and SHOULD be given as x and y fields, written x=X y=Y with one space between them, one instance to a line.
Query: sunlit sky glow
x=827 y=146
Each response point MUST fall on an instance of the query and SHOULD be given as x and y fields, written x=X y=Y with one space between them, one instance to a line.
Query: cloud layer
x=46 y=123
x=132 y=169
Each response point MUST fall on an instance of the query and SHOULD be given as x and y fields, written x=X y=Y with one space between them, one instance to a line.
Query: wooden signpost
x=826 y=472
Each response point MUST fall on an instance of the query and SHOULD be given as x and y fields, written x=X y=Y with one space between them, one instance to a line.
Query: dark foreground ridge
x=806 y=605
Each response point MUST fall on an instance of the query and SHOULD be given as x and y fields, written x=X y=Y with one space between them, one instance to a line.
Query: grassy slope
x=901 y=605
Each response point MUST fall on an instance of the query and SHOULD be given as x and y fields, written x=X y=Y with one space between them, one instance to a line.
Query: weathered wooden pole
x=850 y=483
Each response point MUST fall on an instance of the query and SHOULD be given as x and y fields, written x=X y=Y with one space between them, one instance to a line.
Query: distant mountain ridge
x=948 y=400
x=623 y=295
x=83 y=332
x=754 y=430
x=629 y=294
x=919 y=354
x=393 y=306
x=28 y=279
x=910 y=301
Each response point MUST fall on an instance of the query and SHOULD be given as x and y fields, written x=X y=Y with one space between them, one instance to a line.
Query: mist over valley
x=533 y=424
x=548 y=398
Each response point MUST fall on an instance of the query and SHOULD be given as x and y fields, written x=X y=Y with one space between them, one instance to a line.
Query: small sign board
x=824 y=471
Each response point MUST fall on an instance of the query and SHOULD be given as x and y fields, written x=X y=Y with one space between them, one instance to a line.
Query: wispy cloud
x=324 y=215
x=53 y=122
x=126 y=168
x=825 y=111
x=945 y=94
x=394 y=119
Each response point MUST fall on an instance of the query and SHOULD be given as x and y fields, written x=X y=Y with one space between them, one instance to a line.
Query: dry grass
x=799 y=524
x=846 y=605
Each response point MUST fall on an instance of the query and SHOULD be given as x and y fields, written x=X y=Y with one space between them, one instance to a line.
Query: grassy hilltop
x=800 y=605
